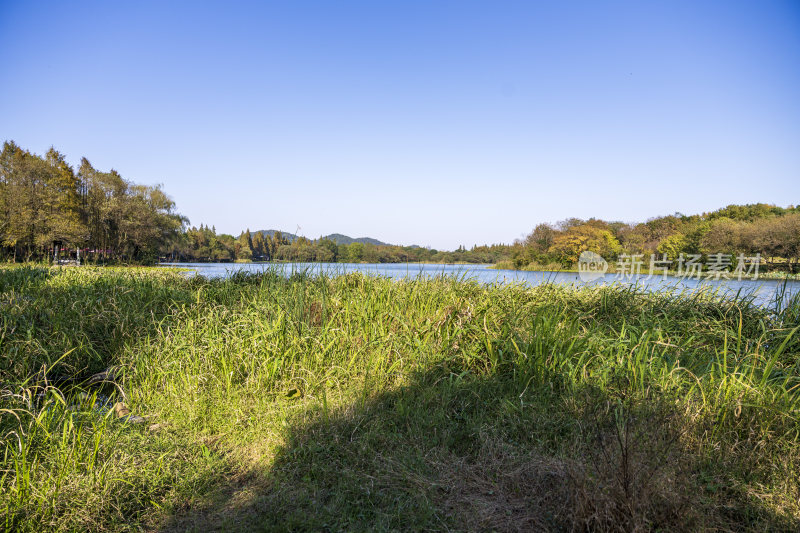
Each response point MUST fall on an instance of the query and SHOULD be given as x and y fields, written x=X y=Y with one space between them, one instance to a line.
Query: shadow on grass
x=454 y=452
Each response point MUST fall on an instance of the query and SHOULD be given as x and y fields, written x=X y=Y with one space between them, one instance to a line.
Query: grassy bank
x=359 y=403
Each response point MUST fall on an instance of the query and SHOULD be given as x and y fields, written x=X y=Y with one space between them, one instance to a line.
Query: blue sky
x=434 y=123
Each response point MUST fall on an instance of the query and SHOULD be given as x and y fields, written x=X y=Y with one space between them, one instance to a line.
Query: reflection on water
x=762 y=291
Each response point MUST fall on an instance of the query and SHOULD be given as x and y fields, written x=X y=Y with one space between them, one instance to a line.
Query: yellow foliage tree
x=568 y=245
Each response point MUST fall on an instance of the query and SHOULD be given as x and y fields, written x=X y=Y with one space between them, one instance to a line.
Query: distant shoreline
x=646 y=271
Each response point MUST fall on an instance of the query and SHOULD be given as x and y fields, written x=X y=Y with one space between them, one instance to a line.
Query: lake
x=762 y=291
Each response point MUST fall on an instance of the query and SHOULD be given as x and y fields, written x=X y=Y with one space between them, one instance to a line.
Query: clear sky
x=424 y=122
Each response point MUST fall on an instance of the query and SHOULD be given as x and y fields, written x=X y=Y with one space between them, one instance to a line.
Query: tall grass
x=357 y=402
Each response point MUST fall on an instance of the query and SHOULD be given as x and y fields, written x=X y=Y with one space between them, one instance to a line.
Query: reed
x=348 y=401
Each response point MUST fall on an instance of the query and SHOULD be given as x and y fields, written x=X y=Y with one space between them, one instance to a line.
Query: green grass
x=360 y=403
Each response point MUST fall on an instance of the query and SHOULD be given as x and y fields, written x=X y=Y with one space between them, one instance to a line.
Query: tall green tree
x=259 y=246
x=244 y=246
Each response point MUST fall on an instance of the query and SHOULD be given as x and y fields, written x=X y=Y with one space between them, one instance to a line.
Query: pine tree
x=244 y=246
x=63 y=202
x=259 y=249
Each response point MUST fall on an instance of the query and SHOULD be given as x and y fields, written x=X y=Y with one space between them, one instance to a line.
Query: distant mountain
x=338 y=238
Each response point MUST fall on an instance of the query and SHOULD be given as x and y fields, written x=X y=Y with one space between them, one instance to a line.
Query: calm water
x=763 y=291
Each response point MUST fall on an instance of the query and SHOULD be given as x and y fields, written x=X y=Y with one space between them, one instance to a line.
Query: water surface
x=763 y=291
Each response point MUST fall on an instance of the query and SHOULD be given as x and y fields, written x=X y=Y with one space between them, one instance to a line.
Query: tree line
x=203 y=244
x=47 y=208
x=768 y=230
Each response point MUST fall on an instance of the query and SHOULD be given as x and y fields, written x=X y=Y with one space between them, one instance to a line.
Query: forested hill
x=338 y=238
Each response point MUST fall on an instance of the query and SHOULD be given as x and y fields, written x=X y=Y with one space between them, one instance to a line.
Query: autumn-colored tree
x=723 y=236
x=673 y=246
x=541 y=238
x=568 y=245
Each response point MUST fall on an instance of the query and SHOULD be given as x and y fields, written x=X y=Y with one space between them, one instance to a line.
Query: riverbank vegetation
x=747 y=230
x=360 y=403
